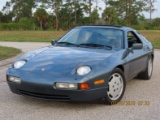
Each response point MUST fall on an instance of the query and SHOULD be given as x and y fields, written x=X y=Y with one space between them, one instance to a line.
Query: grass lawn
x=30 y=36
x=7 y=52
x=46 y=36
x=153 y=36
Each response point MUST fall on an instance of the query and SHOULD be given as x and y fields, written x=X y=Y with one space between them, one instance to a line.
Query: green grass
x=153 y=36
x=46 y=36
x=30 y=36
x=7 y=52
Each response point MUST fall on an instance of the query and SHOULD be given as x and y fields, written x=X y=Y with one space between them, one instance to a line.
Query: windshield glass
x=100 y=36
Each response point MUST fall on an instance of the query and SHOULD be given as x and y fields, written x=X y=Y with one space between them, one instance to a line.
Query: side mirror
x=53 y=42
x=137 y=46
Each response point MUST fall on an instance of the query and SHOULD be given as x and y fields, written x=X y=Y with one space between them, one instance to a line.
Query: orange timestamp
x=132 y=103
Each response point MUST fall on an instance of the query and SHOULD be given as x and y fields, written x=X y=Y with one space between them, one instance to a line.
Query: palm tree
x=41 y=15
x=109 y=14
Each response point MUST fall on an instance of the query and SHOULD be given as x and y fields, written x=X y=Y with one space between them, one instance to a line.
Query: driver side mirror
x=53 y=41
x=137 y=46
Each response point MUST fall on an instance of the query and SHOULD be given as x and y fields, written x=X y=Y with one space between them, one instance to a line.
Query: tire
x=147 y=74
x=116 y=87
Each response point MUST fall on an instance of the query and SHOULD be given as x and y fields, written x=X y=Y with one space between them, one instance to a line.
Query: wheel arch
x=152 y=55
x=120 y=67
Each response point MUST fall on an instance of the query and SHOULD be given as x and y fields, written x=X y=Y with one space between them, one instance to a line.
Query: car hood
x=63 y=60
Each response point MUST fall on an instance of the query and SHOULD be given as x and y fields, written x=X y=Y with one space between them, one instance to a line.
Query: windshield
x=94 y=36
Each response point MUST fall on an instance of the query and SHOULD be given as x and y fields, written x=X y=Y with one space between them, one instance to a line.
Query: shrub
x=10 y=26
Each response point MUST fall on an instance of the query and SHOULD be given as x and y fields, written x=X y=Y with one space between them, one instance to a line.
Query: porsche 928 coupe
x=88 y=63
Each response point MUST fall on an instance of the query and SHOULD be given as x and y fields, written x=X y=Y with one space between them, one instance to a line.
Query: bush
x=10 y=26
x=26 y=23
x=138 y=27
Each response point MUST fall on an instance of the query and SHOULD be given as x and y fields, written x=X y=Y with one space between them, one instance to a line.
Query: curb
x=10 y=60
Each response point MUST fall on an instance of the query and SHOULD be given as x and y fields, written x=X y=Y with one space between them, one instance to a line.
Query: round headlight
x=83 y=70
x=19 y=64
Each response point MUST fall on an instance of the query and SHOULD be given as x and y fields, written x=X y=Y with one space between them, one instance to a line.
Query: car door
x=137 y=58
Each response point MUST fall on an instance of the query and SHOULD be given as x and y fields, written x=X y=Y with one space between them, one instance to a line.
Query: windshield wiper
x=66 y=43
x=95 y=45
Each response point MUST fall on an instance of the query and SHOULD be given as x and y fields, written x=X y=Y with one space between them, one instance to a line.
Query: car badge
x=43 y=69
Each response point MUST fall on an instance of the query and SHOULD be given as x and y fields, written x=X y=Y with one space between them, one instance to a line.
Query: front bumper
x=47 y=92
x=41 y=86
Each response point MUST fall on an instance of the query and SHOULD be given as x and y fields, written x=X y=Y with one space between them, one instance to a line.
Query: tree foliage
x=20 y=8
x=65 y=14
x=1 y=15
x=110 y=15
x=41 y=15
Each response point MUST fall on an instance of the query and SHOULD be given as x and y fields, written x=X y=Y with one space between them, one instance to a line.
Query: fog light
x=70 y=86
x=14 y=79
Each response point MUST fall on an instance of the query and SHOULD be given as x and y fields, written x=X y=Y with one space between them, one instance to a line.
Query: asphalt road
x=145 y=94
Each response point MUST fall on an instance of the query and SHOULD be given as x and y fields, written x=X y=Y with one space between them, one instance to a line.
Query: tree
x=26 y=23
x=129 y=10
x=1 y=15
x=75 y=11
x=7 y=17
x=20 y=8
x=68 y=13
x=94 y=16
x=55 y=5
x=150 y=7
x=69 y=16
x=110 y=15
x=88 y=7
x=156 y=22
x=73 y=4
x=41 y=15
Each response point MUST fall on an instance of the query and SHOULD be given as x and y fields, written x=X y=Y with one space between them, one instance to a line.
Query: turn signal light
x=97 y=82
x=84 y=86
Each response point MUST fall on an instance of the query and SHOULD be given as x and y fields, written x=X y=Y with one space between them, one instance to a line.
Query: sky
x=101 y=4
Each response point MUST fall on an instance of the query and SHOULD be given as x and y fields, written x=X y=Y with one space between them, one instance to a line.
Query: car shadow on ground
x=56 y=104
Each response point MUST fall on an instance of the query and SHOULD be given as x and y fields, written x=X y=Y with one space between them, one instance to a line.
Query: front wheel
x=116 y=87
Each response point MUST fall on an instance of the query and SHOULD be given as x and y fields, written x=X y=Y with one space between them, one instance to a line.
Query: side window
x=132 y=38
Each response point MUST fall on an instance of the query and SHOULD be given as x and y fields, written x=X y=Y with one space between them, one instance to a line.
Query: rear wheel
x=116 y=87
x=148 y=71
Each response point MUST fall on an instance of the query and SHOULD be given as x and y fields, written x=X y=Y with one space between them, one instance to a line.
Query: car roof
x=108 y=26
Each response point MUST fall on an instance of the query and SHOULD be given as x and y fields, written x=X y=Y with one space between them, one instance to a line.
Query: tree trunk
x=90 y=10
x=129 y=12
x=57 y=22
x=41 y=24
x=150 y=10
x=96 y=4
x=90 y=7
x=126 y=10
x=75 y=9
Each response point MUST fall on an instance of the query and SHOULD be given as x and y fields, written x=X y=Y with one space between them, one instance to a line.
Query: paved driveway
x=15 y=107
